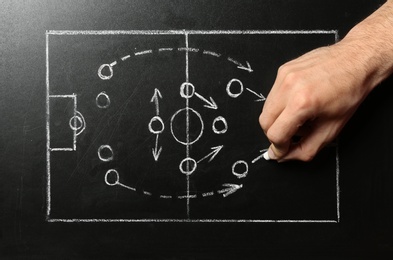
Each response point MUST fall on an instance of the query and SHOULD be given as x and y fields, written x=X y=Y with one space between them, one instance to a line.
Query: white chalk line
x=226 y=191
x=183 y=32
x=165 y=49
x=143 y=52
x=260 y=96
x=63 y=96
x=74 y=130
x=125 y=57
x=61 y=149
x=187 y=49
x=260 y=156
x=209 y=104
x=212 y=53
x=74 y=220
x=187 y=128
x=212 y=154
x=48 y=151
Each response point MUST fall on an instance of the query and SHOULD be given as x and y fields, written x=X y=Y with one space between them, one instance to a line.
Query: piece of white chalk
x=266 y=156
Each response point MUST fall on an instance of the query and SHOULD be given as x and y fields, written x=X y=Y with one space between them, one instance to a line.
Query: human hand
x=313 y=97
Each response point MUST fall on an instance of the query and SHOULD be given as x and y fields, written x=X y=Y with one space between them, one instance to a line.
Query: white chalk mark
x=242 y=174
x=187 y=90
x=209 y=104
x=155 y=97
x=125 y=57
x=208 y=194
x=147 y=193
x=107 y=100
x=161 y=124
x=260 y=156
x=100 y=73
x=189 y=170
x=113 y=63
x=188 y=220
x=188 y=141
x=63 y=96
x=165 y=49
x=230 y=189
x=214 y=127
x=240 y=65
x=126 y=186
x=143 y=52
x=247 y=68
x=48 y=150
x=114 y=173
x=188 y=127
x=212 y=53
x=188 y=49
x=230 y=92
x=212 y=154
x=77 y=128
x=61 y=149
x=260 y=96
x=187 y=32
x=187 y=197
x=156 y=151
x=76 y=113
x=165 y=197
x=105 y=153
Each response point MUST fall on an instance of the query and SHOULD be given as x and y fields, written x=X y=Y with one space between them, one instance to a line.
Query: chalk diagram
x=188 y=165
x=176 y=123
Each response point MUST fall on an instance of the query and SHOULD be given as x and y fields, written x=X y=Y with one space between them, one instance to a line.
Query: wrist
x=372 y=40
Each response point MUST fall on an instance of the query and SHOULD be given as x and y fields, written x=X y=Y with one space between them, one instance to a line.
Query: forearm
x=372 y=44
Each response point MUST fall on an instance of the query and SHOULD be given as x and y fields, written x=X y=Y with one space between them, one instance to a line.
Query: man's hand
x=316 y=94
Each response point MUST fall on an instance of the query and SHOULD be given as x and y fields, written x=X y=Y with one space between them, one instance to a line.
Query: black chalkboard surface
x=130 y=130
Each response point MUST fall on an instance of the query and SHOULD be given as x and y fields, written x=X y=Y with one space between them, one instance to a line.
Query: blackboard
x=130 y=130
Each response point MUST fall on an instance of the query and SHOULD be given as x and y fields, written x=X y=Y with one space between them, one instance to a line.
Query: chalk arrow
x=242 y=67
x=260 y=96
x=156 y=153
x=259 y=156
x=212 y=154
x=155 y=97
x=230 y=189
x=210 y=104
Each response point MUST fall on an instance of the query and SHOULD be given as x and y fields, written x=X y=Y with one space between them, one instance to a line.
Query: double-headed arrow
x=156 y=151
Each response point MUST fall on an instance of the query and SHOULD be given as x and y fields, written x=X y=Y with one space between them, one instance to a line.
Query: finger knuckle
x=275 y=138
x=263 y=122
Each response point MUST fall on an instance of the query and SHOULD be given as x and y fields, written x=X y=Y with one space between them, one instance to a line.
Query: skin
x=316 y=94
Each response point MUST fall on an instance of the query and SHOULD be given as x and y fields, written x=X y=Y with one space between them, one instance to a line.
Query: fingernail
x=271 y=154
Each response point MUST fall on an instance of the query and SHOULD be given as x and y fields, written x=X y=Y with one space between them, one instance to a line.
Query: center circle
x=186 y=126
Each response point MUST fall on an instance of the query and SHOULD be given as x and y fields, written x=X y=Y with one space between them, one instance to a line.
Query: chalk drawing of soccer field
x=161 y=126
